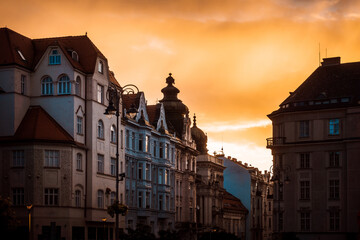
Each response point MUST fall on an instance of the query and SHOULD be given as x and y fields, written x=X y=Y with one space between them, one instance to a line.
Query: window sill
x=50 y=167
x=17 y=167
x=79 y=170
x=99 y=138
x=80 y=134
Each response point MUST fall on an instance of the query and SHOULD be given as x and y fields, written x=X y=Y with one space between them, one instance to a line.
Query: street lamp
x=114 y=95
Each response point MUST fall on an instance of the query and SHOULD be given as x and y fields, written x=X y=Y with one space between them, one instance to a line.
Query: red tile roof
x=153 y=112
x=113 y=79
x=129 y=99
x=37 y=124
x=33 y=50
x=232 y=203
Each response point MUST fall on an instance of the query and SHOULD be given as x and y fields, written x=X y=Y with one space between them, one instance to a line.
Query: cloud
x=153 y=43
x=226 y=126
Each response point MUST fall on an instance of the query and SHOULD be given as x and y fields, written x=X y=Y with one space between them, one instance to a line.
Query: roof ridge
x=54 y=38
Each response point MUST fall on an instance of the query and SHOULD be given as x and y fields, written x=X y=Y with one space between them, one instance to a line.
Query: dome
x=199 y=137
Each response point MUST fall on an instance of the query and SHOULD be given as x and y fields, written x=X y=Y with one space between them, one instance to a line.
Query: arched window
x=54 y=57
x=77 y=198
x=100 y=129
x=64 y=85
x=78 y=86
x=47 y=86
x=78 y=161
x=113 y=134
x=100 y=199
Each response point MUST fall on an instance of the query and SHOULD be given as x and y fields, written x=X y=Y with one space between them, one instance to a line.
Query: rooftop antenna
x=325 y=52
x=319 y=56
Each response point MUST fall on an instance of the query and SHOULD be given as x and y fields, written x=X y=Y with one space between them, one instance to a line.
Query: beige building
x=316 y=151
x=57 y=148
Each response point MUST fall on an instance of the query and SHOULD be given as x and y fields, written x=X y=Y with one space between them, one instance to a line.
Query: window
x=133 y=141
x=100 y=129
x=334 y=221
x=147 y=143
x=100 y=93
x=78 y=161
x=304 y=128
x=22 y=83
x=167 y=151
x=78 y=86
x=127 y=141
x=334 y=159
x=51 y=196
x=269 y=207
x=160 y=202
x=18 y=158
x=161 y=176
x=47 y=86
x=79 y=125
x=334 y=189
x=304 y=190
x=305 y=221
x=147 y=199
x=112 y=197
x=148 y=172
x=113 y=134
x=100 y=199
x=166 y=177
x=18 y=196
x=75 y=56
x=304 y=160
x=140 y=199
x=140 y=175
x=21 y=55
x=154 y=150
x=54 y=58
x=281 y=221
x=100 y=163
x=334 y=126
x=101 y=67
x=121 y=139
x=52 y=158
x=161 y=150
x=64 y=85
x=113 y=166
x=140 y=142
x=77 y=198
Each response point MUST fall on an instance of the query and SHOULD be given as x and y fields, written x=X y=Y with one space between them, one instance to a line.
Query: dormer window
x=54 y=58
x=101 y=67
x=75 y=56
x=21 y=55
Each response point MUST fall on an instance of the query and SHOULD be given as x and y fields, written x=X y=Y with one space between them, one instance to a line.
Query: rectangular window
x=161 y=176
x=140 y=205
x=140 y=142
x=78 y=161
x=133 y=170
x=51 y=196
x=334 y=159
x=166 y=177
x=334 y=189
x=304 y=190
x=18 y=196
x=147 y=199
x=334 y=126
x=140 y=176
x=148 y=172
x=305 y=221
x=161 y=150
x=304 y=129
x=77 y=198
x=22 y=83
x=167 y=153
x=121 y=139
x=147 y=143
x=18 y=158
x=304 y=160
x=334 y=221
x=100 y=93
x=79 y=125
x=100 y=165
x=133 y=141
x=112 y=197
x=52 y=158
x=160 y=202
x=154 y=150
x=113 y=166
x=127 y=141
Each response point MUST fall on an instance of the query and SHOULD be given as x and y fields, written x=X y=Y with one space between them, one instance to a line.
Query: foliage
x=8 y=221
x=117 y=208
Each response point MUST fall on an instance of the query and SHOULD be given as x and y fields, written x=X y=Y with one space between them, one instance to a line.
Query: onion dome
x=199 y=137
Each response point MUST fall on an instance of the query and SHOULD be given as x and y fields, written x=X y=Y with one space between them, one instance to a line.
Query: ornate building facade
x=315 y=147
x=56 y=146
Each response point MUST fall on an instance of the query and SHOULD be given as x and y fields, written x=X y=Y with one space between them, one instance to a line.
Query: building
x=254 y=189
x=316 y=150
x=56 y=145
x=150 y=166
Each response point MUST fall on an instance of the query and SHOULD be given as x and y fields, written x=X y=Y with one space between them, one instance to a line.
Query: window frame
x=113 y=134
x=334 y=127
x=52 y=158
x=304 y=129
x=79 y=162
x=54 y=58
x=77 y=197
x=47 y=86
x=100 y=130
x=100 y=198
x=100 y=163
x=79 y=125
x=51 y=197
x=64 y=85
x=100 y=93
x=18 y=196
x=18 y=159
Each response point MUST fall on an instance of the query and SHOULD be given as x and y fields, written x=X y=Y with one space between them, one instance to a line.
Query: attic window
x=21 y=55
x=101 y=67
x=75 y=56
x=54 y=58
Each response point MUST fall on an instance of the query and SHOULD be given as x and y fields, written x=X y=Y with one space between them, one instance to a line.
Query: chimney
x=330 y=61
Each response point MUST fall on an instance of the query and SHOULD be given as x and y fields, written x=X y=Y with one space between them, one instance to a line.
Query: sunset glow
x=234 y=61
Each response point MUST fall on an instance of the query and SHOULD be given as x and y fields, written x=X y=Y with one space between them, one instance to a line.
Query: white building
x=56 y=145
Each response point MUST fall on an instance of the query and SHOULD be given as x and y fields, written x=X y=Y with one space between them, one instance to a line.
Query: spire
x=194 y=120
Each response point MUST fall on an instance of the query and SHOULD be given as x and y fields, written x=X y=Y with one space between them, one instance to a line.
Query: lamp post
x=114 y=95
x=29 y=207
x=276 y=178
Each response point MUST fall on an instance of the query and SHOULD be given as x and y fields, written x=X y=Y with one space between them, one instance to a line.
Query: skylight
x=21 y=55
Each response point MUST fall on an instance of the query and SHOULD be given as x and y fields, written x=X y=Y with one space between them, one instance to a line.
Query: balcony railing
x=270 y=142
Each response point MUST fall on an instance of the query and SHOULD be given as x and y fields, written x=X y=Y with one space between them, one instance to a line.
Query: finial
x=194 y=120
x=170 y=79
x=85 y=33
x=170 y=74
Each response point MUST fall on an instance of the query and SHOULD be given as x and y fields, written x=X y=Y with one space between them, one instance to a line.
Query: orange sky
x=234 y=61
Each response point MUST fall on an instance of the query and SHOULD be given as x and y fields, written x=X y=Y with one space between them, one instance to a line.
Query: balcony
x=276 y=141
